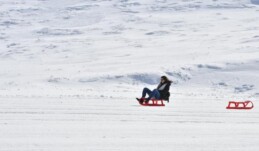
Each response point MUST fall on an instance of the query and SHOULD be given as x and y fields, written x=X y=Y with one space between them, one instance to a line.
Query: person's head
x=164 y=79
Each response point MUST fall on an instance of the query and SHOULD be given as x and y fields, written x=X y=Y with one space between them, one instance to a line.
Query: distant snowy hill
x=55 y=46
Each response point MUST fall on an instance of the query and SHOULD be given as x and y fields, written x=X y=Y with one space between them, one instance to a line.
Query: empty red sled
x=240 y=105
x=153 y=102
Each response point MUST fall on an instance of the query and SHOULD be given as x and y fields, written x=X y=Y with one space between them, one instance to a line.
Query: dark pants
x=152 y=94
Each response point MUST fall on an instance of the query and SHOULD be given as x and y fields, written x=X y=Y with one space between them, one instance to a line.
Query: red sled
x=153 y=102
x=240 y=105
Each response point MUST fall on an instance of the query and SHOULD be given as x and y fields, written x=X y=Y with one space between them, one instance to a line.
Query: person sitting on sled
x=161 y=92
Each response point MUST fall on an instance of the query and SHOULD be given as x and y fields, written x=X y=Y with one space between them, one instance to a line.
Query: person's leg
x=154 y=94
x=145 y=92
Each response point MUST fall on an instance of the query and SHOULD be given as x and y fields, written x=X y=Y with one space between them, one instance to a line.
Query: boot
x=141 y=100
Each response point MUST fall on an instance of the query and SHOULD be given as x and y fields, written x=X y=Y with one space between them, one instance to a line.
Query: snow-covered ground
x=70 y=72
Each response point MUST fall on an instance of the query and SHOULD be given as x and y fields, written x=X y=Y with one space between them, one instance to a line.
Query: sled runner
x=152 y=102
x=240 y=105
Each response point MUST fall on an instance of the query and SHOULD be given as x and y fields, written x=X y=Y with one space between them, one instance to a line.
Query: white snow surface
x=70 y=72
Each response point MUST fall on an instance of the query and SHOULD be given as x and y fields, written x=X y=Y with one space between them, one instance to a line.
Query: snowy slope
x=70 y=71
x=47 y=44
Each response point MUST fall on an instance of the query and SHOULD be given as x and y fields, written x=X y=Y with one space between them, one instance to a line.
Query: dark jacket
x=163 y=89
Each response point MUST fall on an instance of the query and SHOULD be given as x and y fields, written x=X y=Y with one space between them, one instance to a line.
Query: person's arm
x=167 y=87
